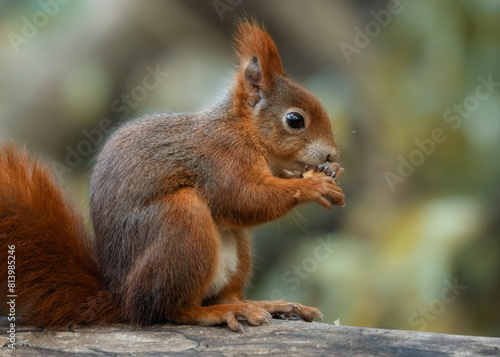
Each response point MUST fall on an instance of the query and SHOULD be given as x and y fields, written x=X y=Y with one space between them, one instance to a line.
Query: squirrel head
x=292 y=124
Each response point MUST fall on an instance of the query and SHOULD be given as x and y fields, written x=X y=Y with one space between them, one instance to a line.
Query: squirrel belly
x=227 y=262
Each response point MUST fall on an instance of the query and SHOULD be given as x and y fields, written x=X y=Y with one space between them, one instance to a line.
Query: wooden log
x=281 y=338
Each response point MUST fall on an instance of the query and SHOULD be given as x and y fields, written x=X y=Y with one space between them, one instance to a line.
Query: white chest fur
x=227 y=264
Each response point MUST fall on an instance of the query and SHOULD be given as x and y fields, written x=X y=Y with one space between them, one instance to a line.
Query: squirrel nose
x=333 y=156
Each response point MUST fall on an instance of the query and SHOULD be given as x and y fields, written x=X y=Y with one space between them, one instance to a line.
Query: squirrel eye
x=295 y=120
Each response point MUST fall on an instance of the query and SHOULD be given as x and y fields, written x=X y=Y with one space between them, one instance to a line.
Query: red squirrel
x=171 y=199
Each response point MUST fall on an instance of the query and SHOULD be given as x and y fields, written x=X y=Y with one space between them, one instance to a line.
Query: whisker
x=298 y=224
x=356 y=110
x=302 y=218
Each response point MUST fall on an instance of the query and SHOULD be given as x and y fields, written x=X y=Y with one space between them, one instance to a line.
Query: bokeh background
x=417 y=246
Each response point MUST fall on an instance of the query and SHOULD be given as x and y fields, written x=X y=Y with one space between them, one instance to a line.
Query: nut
x=333 y=170
x=312 y=173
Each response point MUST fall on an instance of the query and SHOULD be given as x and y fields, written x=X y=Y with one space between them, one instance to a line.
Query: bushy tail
x=56 y=275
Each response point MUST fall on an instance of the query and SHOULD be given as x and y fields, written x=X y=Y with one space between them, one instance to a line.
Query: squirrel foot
x=289 y=309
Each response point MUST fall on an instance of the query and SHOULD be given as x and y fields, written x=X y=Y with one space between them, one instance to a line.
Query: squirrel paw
x=290 y=309
x=316 y=188
x=255 y=316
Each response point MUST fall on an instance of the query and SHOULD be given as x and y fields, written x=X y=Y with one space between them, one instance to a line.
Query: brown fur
x=171 y=198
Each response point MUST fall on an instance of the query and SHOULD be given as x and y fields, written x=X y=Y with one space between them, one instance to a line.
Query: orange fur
x=253 y=41
x=57 y=279
x=171 y=199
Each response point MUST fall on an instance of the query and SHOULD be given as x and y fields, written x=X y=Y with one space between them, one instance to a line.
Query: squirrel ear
x=258 y=55
x=252 y=81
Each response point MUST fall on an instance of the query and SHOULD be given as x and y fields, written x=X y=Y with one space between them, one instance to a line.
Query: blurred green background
x=412 y=91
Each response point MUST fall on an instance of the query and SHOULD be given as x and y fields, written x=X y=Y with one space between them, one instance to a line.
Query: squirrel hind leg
x=175 y=271
x=224 y=314
x=171 y=278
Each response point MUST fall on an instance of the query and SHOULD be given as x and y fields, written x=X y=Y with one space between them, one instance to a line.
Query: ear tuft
x=253 y=44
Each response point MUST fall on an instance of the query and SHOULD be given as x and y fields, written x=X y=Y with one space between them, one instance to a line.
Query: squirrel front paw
x=318 y=188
